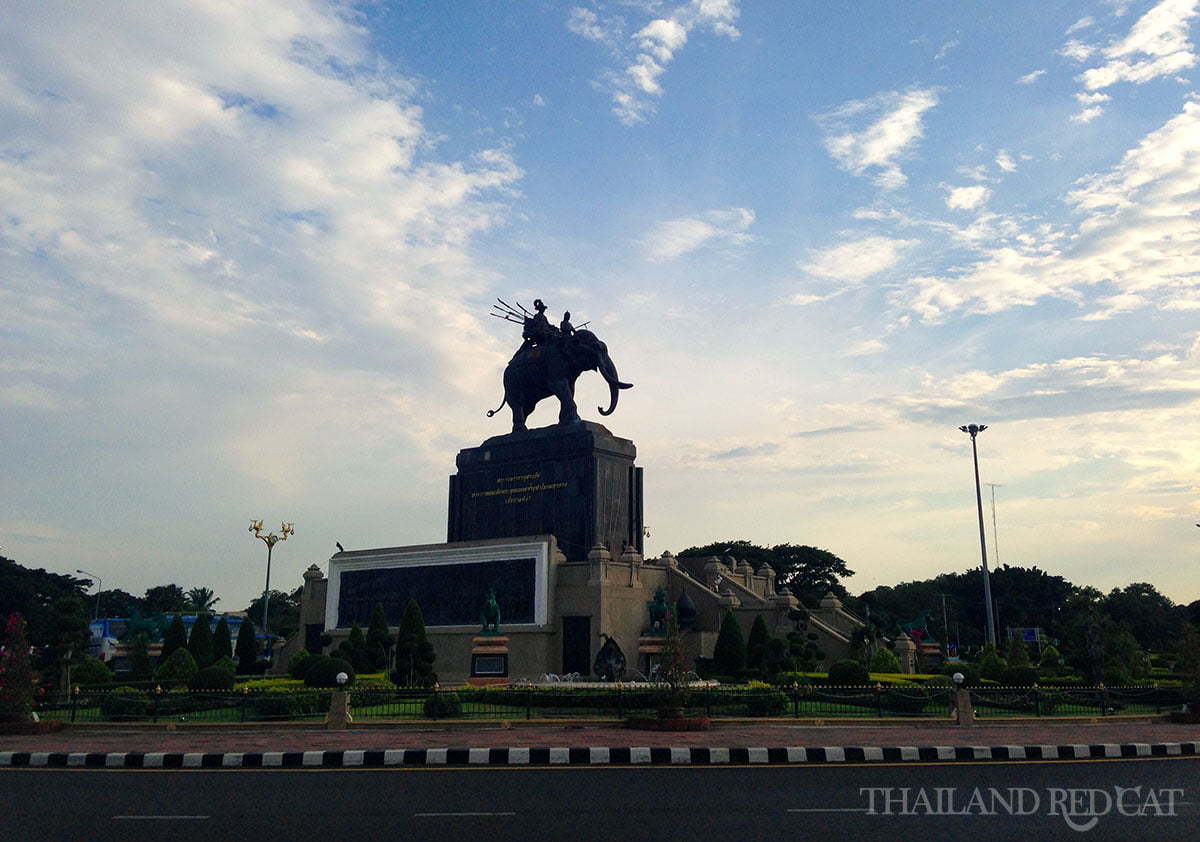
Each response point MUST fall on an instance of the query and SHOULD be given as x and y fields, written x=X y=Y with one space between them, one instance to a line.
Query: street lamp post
x=99 y=585
x=973 y=430
x=270 y=540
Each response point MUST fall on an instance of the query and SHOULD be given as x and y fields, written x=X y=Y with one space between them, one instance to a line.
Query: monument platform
x=575 y=481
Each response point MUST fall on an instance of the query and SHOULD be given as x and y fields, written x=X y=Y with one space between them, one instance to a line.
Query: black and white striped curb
x=659 y=756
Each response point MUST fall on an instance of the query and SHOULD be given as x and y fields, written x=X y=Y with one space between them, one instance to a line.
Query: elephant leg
x=519 y=414
x=568 y=412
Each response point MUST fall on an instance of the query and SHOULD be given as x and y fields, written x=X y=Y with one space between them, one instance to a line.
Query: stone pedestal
x=649 y=647
x=575 y=481
x=339 y=711
x=489 y=660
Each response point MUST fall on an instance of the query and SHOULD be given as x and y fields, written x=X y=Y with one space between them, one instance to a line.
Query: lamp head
x=959 y=678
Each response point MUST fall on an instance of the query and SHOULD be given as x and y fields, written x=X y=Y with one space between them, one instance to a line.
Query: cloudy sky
x=248 y=252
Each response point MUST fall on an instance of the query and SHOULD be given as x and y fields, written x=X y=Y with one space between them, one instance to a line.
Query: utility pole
x=973 y=430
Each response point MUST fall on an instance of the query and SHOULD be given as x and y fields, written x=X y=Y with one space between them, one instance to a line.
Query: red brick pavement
x=225 y=738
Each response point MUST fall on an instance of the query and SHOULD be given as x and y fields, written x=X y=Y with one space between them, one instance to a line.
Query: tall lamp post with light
x=270 y=539
x=99 y=585
x=973 y=430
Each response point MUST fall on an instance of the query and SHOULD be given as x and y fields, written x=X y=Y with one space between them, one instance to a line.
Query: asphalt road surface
x=1117 y=800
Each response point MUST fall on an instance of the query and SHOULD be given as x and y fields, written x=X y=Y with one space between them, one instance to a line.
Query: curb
x=658 y=756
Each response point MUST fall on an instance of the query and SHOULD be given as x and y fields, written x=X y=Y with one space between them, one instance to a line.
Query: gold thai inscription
x=508 y=488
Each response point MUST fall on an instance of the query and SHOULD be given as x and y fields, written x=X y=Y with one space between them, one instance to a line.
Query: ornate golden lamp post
x=270 y=540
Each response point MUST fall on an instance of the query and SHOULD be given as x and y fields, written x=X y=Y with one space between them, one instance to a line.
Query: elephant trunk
x=609 y=372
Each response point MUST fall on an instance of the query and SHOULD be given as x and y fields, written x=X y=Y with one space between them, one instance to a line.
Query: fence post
x=1037 y=700
x=879 y=699
x=245 y=701
x=1157 y=699
x=795 y=702
x=74 y=701
x=155 y=693
x=528 y=701
x=620 y=703
x=1103 y=700
x=437 y=702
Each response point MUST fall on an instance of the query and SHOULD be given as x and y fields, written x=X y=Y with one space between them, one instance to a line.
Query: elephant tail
x=492 y=412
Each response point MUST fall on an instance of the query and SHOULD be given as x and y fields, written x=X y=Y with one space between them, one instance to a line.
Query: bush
x=414 y=652
x=91 y=671
x=992 y=666
x=729 y=652
x=848 y=673
x=1019 y=676
x=440 y=705
x=884 y=660
x=299 y=663
x=220 y=676
x=323 y=672
x=125 y=703
x=289 y=705
x=766 y=701
x=246 y=648
x=180 y=668
x=756 y=643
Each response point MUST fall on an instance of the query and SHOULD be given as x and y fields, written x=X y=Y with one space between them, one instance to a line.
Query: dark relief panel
x=449 y=594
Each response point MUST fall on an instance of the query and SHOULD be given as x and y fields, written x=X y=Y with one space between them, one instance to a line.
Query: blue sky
x=248 y=253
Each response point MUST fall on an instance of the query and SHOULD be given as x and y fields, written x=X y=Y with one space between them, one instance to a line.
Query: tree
x=1153 y=619
x=808 y=572
x=164 y=599
x=1101 y=648
x=283 y=610
x=201 y=599
x=756 y=643
x=68 y=636
x=379 y=640
x=414 y=653
x=174 y=638
x=18 y=681
x=118 y=603
x=222 y=640
x=200 y=642
x=729 y=652
x=246 y=651
x=354 y=648
x=1018 y=655
x=140 y=667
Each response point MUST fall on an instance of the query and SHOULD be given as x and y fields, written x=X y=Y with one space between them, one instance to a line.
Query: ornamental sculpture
x=549 y=362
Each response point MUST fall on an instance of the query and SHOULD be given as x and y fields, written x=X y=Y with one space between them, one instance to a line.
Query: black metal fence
x=604 y=702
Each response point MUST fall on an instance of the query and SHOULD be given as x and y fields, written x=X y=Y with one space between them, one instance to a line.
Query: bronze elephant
x=551 y=368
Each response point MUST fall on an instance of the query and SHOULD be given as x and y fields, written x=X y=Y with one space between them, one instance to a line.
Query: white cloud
x=1031 y=77
x=674 y=238
x=1005 y=161
x=857 y=260
x=234 y=223
x=893 y=127
x=587 y=24
x=1157 y=45
x=635 y=87
x=1137 y=232
x=944 y=49
x=967 y=198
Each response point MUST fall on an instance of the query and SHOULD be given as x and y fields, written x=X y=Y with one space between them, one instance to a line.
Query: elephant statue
x=551 y=368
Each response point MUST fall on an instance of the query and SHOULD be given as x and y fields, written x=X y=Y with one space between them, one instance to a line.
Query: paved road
x=1118 y=800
